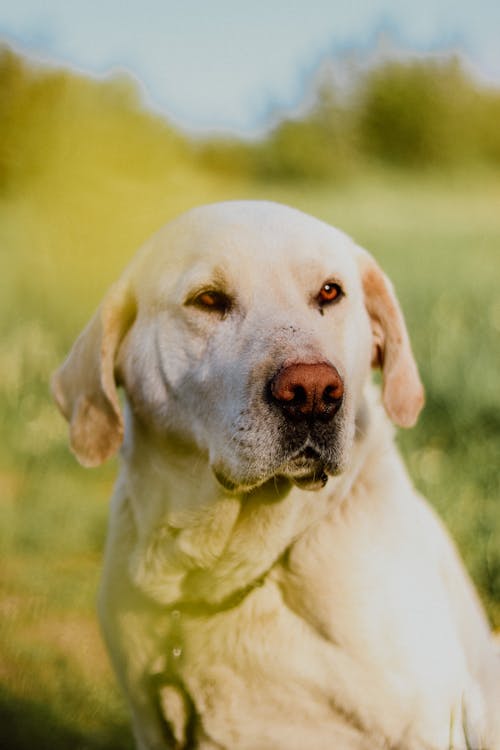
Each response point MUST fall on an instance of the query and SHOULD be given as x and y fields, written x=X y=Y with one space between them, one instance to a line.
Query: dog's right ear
x=84 y=387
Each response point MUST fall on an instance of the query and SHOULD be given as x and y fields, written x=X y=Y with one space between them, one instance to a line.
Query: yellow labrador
x=272 y=579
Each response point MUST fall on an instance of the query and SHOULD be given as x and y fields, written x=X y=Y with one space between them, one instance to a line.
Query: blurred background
x=383 y=119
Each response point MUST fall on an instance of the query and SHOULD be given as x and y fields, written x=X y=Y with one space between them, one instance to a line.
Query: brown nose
x=308 y=391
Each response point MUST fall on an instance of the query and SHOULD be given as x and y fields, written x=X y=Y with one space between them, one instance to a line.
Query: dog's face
x=252 y=339
x=246 y=330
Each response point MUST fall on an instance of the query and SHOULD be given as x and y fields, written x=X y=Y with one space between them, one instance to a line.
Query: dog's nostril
x=332 y=394
x=295 y=395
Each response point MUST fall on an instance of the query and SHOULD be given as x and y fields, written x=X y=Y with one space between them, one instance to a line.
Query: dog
x=272 y=581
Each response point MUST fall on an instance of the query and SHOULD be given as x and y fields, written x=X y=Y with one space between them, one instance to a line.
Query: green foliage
x=421 y=113
x=315 y=147
x=488 y=125
x=318 y=146
x=52 y=117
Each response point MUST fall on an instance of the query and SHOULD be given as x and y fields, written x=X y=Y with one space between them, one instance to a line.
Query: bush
x=53 y=118
x=421 y=113
x=318 y=146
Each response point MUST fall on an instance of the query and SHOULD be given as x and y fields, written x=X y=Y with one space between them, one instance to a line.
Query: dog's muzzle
x=305 y=397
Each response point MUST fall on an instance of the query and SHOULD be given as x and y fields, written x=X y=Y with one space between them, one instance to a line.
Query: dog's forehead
x=247 y=239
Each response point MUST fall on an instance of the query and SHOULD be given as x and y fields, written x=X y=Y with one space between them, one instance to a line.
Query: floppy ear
x=403 y=393
x=84 y=386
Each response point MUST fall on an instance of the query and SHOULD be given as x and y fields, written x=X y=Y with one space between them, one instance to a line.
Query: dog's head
x=247 y=330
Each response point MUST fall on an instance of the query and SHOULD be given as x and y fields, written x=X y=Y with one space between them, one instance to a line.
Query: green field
x=77 y=197
x=439 y=239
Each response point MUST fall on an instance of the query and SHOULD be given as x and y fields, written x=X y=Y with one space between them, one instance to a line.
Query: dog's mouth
x=305 y=468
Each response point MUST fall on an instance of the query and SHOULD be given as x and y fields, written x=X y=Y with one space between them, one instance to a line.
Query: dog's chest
x=256 y=675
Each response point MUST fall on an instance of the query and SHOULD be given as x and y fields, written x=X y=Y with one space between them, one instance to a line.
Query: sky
x=225 y=65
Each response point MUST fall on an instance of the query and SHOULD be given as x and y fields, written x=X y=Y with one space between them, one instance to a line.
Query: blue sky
x=223 y=64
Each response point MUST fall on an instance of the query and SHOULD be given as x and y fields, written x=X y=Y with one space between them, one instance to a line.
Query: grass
x=64 y=237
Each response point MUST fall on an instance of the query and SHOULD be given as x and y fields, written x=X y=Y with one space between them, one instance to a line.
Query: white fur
x=267 y=617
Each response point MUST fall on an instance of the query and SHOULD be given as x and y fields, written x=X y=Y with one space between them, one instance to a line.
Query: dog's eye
x=329 y=292
x=211 y=301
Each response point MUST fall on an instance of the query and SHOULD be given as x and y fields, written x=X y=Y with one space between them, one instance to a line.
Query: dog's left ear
x=84 y=386
x=403 y=393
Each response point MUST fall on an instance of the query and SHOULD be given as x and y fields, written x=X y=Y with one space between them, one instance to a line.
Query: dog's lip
x=233 y=486
x=278 y=484
x=305 y=456
x=306 y=461
x=226 y=482
x=305 y=468
x=314 y=481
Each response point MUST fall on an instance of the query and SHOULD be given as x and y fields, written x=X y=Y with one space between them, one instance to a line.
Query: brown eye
x=329 y=292
x=212 y=300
